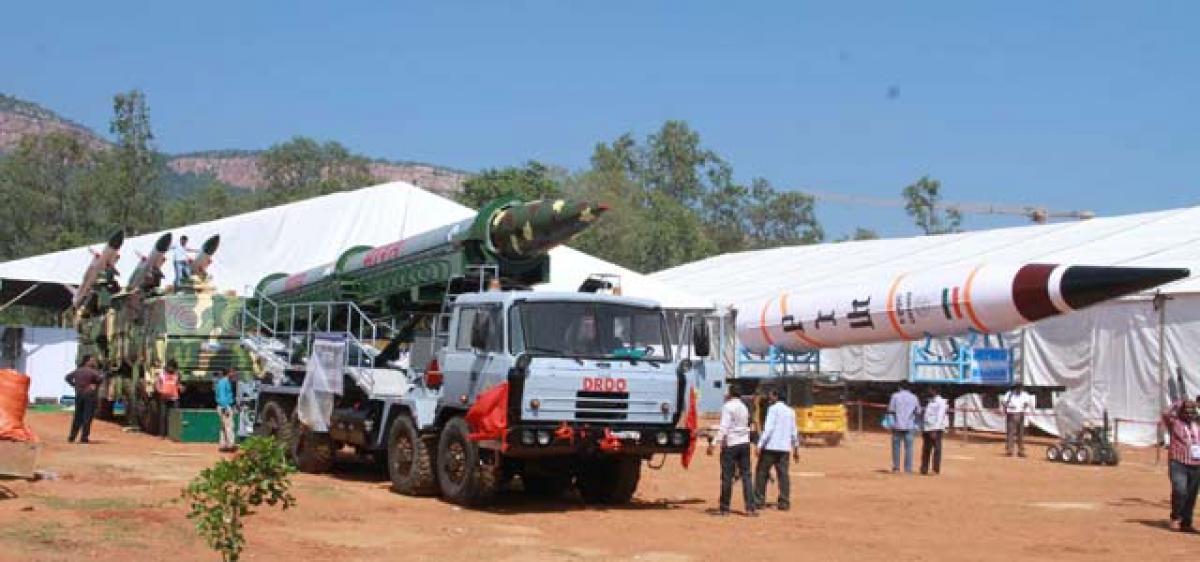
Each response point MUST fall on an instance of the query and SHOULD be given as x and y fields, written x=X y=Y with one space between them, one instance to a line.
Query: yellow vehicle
x=819 y=400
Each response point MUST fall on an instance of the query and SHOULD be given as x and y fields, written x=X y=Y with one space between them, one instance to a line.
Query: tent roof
x=304 y=234
x=1158 y=239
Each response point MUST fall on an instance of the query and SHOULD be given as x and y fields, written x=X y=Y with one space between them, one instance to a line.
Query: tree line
x=673 y=199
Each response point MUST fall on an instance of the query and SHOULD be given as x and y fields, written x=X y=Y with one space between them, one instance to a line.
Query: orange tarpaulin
x=488 y=417
x=14 y=398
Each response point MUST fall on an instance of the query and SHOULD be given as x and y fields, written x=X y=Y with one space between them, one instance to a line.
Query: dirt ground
x=115 y=499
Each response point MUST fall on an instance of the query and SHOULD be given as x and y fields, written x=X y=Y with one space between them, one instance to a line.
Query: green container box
x=196 y=425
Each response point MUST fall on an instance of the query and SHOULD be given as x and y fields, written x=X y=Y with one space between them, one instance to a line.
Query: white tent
x=308 y=233
x=1107 y=356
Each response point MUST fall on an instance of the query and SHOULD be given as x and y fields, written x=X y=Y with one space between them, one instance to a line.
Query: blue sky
x=1071 y=105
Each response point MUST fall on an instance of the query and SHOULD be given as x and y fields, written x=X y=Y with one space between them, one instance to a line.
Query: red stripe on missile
x=957 y=309
x=1031 y=293
x=762 y=323
x=891 y=308
x=798 y=333
x=967 y=301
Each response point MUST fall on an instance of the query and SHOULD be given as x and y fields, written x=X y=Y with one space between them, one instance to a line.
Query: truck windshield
x=589 y=330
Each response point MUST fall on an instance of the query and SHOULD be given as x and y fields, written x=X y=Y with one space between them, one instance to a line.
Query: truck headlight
x=679 y=438
x=527 y=437
x=543 y=437
x=661 y=438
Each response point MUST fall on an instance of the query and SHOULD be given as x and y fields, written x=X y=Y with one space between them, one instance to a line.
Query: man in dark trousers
x=777 y=441
x=86 y=380
x=733 y=437
x=934 y=421
x=1183 y=468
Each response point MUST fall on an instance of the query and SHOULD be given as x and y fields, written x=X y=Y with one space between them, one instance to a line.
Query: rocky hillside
x=237 y=168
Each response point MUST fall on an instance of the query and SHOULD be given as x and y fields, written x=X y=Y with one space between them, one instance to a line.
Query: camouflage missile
x=148 y=273
x=504 y=232
x=953 y=301
x=204 y=259
x=107 y=257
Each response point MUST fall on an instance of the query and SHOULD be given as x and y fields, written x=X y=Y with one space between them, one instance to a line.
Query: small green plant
x=223 y=495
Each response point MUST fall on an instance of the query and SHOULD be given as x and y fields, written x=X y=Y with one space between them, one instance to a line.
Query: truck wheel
x=409 y=461
x=314 y=452
x=833 y=439
x=275 y=423
x=460 y=475
x=1053 y=453
x=1083 y=455
x=609 y=481
x=1109 y=456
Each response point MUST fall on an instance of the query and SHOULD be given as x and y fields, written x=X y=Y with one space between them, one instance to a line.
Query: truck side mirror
x=480 y=330
x=700 y=342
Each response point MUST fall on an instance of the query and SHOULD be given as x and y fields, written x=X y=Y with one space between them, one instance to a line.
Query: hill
x=235 y=168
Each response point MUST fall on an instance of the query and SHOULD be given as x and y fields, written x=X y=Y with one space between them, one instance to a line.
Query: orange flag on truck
x=692 y=422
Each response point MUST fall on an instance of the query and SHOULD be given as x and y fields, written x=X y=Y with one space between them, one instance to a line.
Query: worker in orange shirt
x=168 y=388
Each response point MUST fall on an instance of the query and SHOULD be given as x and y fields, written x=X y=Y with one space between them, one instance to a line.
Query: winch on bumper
x=534 y=440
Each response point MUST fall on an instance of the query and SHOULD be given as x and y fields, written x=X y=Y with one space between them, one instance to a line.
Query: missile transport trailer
x=134 y=332
x=454 y=375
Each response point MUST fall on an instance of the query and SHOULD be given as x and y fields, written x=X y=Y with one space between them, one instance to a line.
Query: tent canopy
x=304 y=234
x=1158 y=239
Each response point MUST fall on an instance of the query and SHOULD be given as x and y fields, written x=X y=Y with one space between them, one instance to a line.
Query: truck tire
x=610 y=481
x=278 y=424
x=314 y=452
x=409 y=459
x=463 y=479
x=832 y=439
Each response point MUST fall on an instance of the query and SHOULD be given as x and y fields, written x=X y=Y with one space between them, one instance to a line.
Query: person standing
x=776 y=443
x=179 y=256
x=86 y=380
x=733 y=436
x=904 y=408
x=1016 y=403
x=1183 y=468
x=168 y=389
x=225 y=404
x=934 y=421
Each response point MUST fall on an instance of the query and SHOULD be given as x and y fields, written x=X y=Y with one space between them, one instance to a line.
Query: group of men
x=778 y=443
x=168 y=387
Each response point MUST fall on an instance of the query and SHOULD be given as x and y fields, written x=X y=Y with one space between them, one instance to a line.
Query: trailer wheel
x=1053 y=453
x=275 y=423
x=463 y=479
x=1067 y=454
x=1109 y=456
x=610 y=481
x=409 y=460
x=314 y=452
x=1083 y=455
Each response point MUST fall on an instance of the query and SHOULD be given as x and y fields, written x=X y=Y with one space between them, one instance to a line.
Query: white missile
x=953 y=301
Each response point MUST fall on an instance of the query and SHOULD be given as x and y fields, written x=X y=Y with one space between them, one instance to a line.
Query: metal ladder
x=441 y=326
x=270 y=330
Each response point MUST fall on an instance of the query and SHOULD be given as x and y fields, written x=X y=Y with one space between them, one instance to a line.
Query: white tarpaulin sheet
x=305 y=234
x=1107 y=357
x=322 y=381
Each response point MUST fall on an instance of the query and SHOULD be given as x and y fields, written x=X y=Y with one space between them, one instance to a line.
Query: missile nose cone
x=1084 y=285
x=163 y=244
x=116 y=239
x=526 y=230
x=210 y=246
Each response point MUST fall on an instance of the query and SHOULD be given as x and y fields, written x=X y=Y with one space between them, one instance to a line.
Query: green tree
x=222 y=496
x=214 y=201
x=47 y=206
x=126 y=178
x=532 y=181
x=923 y=202
x=780 y=219
x=860 y=233
x=301 y=168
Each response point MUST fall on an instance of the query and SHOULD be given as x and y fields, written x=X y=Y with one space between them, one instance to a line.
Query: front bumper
x=526 y=440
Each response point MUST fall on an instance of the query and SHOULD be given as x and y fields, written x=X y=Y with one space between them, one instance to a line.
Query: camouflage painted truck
x=460 y=379
x=136 y=330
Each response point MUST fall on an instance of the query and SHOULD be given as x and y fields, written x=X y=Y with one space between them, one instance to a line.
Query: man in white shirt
x=179 y=255
x=934 y=421
x=777 y=442
x=733 y=436
x=1015 y=403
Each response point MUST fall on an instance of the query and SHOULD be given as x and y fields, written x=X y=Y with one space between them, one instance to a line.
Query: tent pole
x=19 y=297
x=1160 y=305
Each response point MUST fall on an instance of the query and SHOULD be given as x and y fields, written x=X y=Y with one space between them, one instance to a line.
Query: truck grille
x=592 y=405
